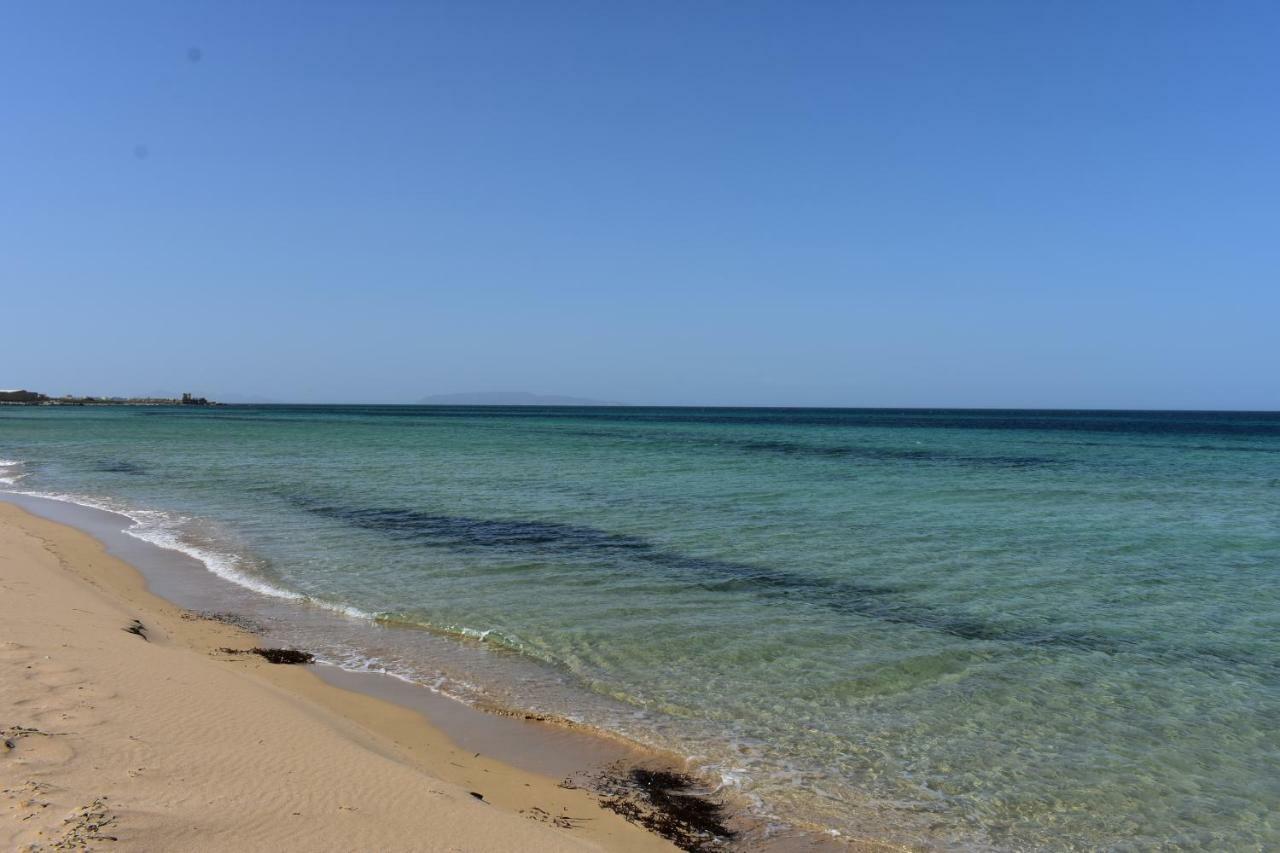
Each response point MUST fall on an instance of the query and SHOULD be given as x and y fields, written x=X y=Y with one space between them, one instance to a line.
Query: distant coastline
x=23 y=397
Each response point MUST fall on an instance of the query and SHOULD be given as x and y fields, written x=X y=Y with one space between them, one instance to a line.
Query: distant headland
x=22 y=397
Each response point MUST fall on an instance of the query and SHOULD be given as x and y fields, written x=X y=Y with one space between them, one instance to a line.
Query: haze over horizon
x=881 y=204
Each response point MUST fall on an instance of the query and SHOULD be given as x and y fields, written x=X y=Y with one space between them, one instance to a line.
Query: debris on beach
x=666 y=803
x=562 y=821
x=285 y=656
x=87 y=825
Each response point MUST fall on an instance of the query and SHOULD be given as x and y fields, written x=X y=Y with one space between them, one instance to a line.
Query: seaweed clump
x=286 y=656
x=661 y=801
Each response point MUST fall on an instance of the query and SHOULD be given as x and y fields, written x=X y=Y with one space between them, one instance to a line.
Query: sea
x=951 y=629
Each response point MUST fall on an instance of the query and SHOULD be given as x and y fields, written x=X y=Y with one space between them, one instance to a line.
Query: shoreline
x=83 y=693
x=181 y=576
x=432 y=727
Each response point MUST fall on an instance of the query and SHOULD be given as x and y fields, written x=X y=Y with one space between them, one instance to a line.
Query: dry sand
x=163 y=743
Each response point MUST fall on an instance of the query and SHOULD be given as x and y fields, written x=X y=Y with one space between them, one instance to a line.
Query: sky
x=1009 y=204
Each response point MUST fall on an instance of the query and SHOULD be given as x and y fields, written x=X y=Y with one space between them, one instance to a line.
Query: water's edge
x=554 y=748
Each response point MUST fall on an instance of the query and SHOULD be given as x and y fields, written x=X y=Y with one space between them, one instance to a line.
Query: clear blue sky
x=851 y=203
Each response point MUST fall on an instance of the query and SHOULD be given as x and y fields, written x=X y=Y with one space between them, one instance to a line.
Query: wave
x=10 y=472
x=164 y=530
x=493 y=637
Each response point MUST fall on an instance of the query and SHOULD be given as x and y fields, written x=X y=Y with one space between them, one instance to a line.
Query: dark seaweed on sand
x=660 y=801
x=274 y=655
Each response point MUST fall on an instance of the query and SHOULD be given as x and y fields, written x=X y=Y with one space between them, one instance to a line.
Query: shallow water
x=968 y=629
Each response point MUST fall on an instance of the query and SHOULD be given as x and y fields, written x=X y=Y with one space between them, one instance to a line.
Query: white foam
x=342 y=609
x=160 y=529
x=161 y=533
x=9 y=477
x=451 y=687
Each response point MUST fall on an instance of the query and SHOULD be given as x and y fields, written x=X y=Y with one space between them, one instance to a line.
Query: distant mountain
x=509 y=398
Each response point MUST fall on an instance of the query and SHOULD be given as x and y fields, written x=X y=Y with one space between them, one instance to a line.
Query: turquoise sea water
x=1013 y=630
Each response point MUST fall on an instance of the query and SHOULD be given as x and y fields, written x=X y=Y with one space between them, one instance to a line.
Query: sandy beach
x=155 y=740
